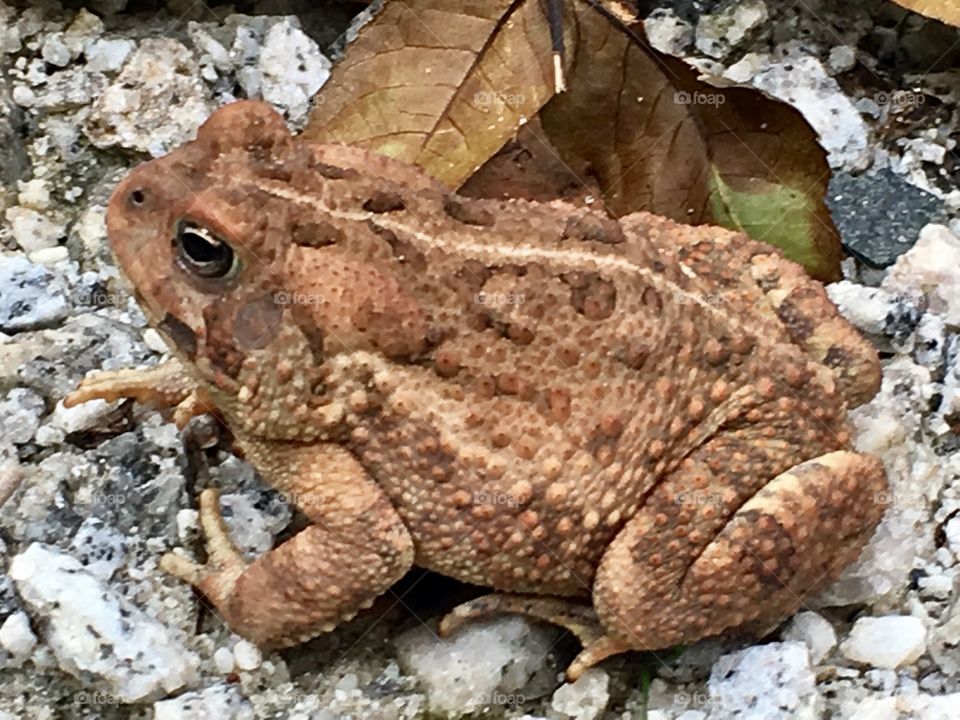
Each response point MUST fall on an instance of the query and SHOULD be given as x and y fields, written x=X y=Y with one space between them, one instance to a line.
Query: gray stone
x=33 y=230
x=720 y=33
x=668 y=33
x=766 y=682
x=17 y=638
x=217 y=702
x=156 y=103
x=95 y=632
x=107 y=56
x=251 y=528
x=271 y=57
x=54 y=51
x=483 y=664
x=879 y=214
x=293 y=69
x=14 y=161
x=54 y=360
x=886 y=642
x=68 y=89
x=32 y=297
x=930 y=268
x=100 y=548
x=842 y=58
x=889 y=318
x=585 y=699
x=20 y=414
x=803 y=82
x=814 y=631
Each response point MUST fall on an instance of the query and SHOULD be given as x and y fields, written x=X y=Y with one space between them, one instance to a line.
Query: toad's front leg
x=167 y=385
x=354 y=550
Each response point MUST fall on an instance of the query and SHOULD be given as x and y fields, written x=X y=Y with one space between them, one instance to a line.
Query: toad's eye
x=203 y=253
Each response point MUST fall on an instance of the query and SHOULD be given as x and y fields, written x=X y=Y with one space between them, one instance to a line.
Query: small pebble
x=815 y=632
x=16 y=637
x=886 y=642
x=585 y=699
x=247 y=655
x=49 y=256
x=223 y=660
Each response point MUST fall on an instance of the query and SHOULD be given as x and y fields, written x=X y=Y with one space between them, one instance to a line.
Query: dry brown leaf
x=439 y=83
x=445 y=84
x=530 y=167
x=658 y=139
x=946 y=10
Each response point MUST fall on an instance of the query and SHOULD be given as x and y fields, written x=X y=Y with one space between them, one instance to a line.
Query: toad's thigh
x=699 y=558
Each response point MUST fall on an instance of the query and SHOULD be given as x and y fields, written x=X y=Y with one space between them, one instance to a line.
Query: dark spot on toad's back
x=591 y=295
x=592 y=227
x=384 y=201
x=402 y=248
x=798 y=324
x=316 y=234
x=331 y=172
x=467 y=212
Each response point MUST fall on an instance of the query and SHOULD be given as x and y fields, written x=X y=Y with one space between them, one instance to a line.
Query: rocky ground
x=92 y=496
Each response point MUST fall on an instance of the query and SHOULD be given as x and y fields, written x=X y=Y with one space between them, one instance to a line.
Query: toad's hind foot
x=579 y=618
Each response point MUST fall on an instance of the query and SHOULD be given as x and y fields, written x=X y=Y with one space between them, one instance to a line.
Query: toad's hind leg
x=665 y=581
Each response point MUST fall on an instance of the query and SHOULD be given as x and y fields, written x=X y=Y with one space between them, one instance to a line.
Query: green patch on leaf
x=778 y=215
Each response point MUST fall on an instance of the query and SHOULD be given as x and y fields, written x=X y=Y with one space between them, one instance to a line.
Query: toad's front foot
x=354 y=549
x=163 y=386
x=216 y=579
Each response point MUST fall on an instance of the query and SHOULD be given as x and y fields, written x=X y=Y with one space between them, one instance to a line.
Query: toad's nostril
x=138 y=197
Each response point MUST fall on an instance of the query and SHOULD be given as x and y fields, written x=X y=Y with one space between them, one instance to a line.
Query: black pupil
x=204 y=253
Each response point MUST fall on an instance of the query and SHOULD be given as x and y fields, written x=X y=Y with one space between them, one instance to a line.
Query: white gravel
x=886 y=642
x=94 y=631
